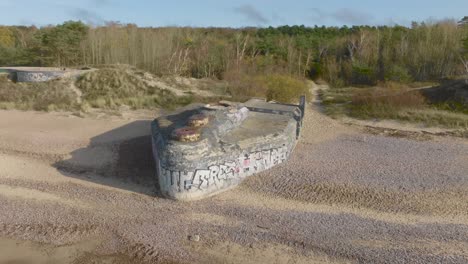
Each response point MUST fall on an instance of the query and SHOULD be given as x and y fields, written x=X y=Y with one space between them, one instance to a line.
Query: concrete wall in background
x=40 y=74
x=37 y=76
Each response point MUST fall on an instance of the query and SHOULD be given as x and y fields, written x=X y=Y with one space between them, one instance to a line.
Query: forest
x=342 y=56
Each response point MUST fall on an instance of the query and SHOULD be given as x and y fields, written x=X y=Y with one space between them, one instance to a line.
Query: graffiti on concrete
x=37 y=76
x=243 y=166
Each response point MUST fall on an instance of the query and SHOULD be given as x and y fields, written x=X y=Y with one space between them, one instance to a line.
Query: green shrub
x=242 y=86
x=315 y=71
x=278 y=87
x=453 y=106
x=284 y=88
x=338 y=83
x=398 y=74
x=363 y=75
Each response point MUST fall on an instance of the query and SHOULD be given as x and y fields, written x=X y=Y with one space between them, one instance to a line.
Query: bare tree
x=464 y=61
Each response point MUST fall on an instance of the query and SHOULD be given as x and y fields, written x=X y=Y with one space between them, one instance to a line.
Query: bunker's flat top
x=257 y=125
x=36 y=69
x=260 y=104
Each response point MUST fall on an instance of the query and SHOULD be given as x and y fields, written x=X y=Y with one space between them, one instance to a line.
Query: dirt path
x=81 y=190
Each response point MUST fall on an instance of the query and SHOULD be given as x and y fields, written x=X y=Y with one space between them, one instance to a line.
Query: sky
x=230 y=13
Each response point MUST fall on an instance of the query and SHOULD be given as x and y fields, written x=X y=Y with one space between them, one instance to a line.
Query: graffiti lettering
x=246 y=165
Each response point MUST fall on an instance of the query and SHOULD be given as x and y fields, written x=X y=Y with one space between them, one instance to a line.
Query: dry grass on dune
x=397 y=103
x=115 y=86
x=37 y=96
x=107 y=88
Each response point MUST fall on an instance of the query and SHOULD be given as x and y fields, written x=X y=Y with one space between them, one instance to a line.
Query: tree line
x=359 y=55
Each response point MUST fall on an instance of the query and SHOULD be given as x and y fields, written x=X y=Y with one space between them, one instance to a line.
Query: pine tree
x=463 y=21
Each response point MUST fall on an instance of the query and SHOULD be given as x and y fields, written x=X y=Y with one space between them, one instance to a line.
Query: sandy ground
x=81 y=190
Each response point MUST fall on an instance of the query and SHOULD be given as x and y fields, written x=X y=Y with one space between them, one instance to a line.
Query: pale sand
x=82 y=190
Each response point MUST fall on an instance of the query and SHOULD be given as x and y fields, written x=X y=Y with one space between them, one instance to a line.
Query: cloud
x=26 y=22
x=86 y=15
x=349 y=16
x=252 y=14
x=317 y=14
x=101 y=2
x=278 y=19
x=343 y=15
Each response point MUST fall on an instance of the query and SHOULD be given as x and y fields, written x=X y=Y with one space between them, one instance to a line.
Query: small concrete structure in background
x=39 y=74
x=202 y=150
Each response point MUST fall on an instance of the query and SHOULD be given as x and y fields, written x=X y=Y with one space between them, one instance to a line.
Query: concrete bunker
x=201 y=150
x=38 y=74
